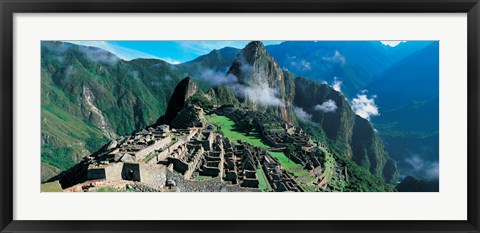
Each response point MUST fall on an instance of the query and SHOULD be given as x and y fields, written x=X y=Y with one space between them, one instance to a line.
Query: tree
x=290 y=150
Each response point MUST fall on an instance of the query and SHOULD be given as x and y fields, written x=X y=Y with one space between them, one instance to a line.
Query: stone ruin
x=194 y=157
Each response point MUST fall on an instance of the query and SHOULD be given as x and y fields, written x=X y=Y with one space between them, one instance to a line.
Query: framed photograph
x=239 y=116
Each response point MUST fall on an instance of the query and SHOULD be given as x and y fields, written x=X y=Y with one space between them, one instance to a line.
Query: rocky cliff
x=353 y=135
x=263 y=85
x=184 y=90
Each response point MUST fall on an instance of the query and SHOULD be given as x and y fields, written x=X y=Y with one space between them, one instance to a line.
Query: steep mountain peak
x=266 y=85
x=184 y=90
x=253 y=64
x=254 y=49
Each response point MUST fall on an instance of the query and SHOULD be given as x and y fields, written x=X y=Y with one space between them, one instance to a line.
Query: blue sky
x=173 y=51
x=170 y=51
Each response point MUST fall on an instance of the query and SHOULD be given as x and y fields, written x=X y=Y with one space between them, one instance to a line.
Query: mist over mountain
x=266 y=86
x=332 y=118
x=399 y=83
x=408 y=94
x=89 y=96
x=100 y=96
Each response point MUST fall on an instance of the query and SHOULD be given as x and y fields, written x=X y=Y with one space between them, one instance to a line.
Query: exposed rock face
x=264 y=85
x=184 y=90
x=95 y=113
x=350 y=132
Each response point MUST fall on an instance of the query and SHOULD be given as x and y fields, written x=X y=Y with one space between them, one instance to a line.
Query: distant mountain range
x=90 y=96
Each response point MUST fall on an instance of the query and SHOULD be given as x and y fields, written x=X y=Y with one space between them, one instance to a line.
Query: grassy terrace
x=329 y=165
x=107 y=190
x=226 y=126
x=51 y=187
x=150 y=157
x=290 y=166
x=263 y=181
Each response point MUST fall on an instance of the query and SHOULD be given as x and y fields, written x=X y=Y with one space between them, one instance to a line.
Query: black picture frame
x=10 y=7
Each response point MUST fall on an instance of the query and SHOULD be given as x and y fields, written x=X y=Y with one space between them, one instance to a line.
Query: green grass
x=286 y=163
x=263 y=181
x=308 y=179
x=106 y=189
x=226 y=126
x=301 y=173
x=329 y=166
x=150 y=157
x=308 y=188
x=131 y=190
x=51 y=187
x=72 y=136
x=58 y=157
x=61 y=124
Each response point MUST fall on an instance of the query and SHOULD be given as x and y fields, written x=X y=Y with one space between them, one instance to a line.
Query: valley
x=233 y=120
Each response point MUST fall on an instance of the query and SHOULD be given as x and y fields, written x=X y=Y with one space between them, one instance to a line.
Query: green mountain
x=351 y=135
x=208 y=70
x=403 y=78
x=411 y=79
x=354 y=63
x=347 y=174
x=263 y=85
x=408 y=97
x=89 y=96
x=217 y=59
x=101 y=96
x=411 y=184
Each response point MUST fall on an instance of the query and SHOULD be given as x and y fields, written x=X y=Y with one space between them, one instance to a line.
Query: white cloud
x=99 y=55
x=121 y=52
x=215 y=78
x=365 y=107
x=337 y=57
x=421 y=167
x=392 y=43
x=302 y=115
x=301 y=65
x=263 y=95
x=327 y=106
x=259 y=93
x=336 y=84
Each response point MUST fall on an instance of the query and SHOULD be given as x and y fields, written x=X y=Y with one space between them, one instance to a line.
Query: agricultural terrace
x=227 y=127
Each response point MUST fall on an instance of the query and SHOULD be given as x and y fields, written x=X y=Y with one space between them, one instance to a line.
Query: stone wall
x=165 y=153
x=211 y=185
x=114 y=171
x=158 y=145
x=153 y=175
